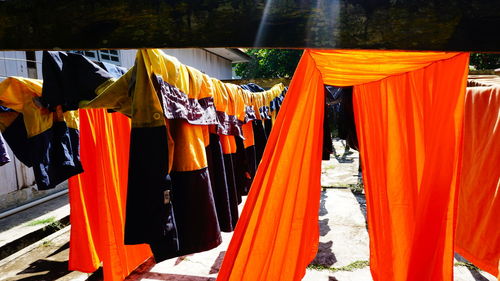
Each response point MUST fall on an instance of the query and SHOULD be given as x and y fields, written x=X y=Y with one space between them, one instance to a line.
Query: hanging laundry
x=411 y=200
x=258 y=127
x=69 y=79
x=477 y=234
x=98 y=196
x=229 y=150
x=237 y=108
x=219 y=181
x=228 y=127
x=327 y=137
x=347 y=126
x=278 y=229
x=182 y=158
x=190 y=177
x=114 y=70
x=191 y=143
x=248 y=137
x=46 y=141
x=249 y=147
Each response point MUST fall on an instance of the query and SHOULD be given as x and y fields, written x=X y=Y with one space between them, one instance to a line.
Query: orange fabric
x=277 y=234
x=356 y=67
x=248 y=134
x=188 y=145
x=408 y=126
x=228 y=144
x=409 y=123
x=478 y=225
x=98 y=198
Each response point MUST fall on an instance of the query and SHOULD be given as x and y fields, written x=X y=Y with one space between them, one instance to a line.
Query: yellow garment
x=19 y=94
x=134 y=95
x=236 y=101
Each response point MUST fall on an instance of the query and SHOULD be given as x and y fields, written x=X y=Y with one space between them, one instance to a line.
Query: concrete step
x=44 y=260
x=24 y=228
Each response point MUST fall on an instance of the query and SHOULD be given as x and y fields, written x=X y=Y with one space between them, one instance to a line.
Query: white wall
x=13 y=64
x=206 y=62
x=14 y=175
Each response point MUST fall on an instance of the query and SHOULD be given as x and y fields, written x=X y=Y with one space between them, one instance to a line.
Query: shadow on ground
x=51 y=269
x=475 y=273
x=174 y=277
x=217 y=263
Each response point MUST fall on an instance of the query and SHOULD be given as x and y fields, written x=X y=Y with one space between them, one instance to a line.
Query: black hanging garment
x=243 y=169
x=341 y=99
x=218 y=178
x=149 y=181
x=4 y=156
x=68 y=79
x=327 y=137
x=190 y=193
x=260 y=135
x=229 y=164
x=347 y=125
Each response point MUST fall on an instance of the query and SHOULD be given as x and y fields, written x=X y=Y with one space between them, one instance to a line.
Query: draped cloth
x=98 y=197
x=277 y=234
x=478 y=235
x=410 y=135
x=409 y=116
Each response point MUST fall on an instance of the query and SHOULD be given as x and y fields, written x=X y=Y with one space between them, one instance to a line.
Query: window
x=110 y=56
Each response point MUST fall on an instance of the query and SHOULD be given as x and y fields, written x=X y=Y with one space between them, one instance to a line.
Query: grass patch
x=51 y=222
x=350 y=267
x=47 y=243
x=357 y=188
x=42 y=221
x=57 y=225
x=468 y=265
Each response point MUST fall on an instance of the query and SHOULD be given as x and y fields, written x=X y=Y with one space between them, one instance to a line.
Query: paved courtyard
x=343 y=250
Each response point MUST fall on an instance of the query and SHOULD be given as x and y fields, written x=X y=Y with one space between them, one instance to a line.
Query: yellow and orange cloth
x=409 y=109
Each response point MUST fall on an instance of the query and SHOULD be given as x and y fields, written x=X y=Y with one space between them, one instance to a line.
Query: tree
x=483 y=61
x=269 y=63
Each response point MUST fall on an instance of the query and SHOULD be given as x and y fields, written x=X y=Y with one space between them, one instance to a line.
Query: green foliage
x=51 y=223
x=49 y=220
x=47 y=243
x=357 y=188
x=269 y=63
x=467 y=264
x=350 y=267
x=484 y=61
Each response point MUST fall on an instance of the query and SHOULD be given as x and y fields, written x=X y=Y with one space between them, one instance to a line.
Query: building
x=16 y=179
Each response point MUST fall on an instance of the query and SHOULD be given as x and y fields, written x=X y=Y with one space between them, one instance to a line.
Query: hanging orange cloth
x=410 y=135
x=478 y=225
x=277 y=234
x=98 y=197
x=411 y=111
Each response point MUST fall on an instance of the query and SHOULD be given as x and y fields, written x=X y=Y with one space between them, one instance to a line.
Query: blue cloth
x=53 y=154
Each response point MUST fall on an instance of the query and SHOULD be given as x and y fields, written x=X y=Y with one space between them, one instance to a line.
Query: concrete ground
x=343 y=251
x=344 y=245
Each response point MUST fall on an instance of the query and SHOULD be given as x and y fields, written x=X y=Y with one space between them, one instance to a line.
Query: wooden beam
x=370 y=24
